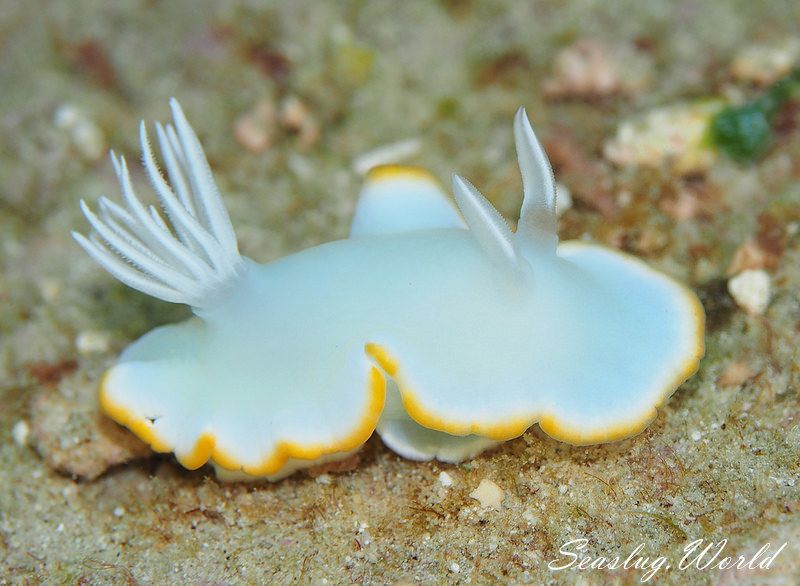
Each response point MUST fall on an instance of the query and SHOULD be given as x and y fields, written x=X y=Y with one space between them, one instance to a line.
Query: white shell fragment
x=674 y=136
x=751 y=290
x=20 y=433
x=445 y=479
x=489 y=494
x=92 y=342
x=446 y=332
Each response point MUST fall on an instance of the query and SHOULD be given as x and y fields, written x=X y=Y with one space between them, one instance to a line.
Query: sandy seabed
x=288 y=98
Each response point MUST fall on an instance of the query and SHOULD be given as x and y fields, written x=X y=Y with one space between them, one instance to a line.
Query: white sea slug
x=480 y=331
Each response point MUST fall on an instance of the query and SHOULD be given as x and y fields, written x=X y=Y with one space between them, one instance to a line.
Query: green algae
x=744 y=132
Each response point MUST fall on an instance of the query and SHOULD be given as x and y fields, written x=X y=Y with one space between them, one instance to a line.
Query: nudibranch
x=446 y=332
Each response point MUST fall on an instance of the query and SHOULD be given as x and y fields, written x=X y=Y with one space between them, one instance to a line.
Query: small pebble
x=455 y=568
x=751 y=290
x=20 y=433
x=66 y=116
x=696 y=436
x=92 y=342
x=84 y=134
x=488 y=494
x=445 y=479
x=295 y=117
x=323 y=479
x=119 y=511
x=592 y=68
x=254 y=129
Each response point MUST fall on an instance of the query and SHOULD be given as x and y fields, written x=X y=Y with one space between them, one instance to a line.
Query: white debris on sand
x=751 y=289
x=672 y=136
x=323 y=479
x=84 y=134
x=294 y=116
x=590 y=68
x=488 y=494
x=255 y=129
x=92 y=342
x=20 y=433
x=445 y=479
x=764 y=64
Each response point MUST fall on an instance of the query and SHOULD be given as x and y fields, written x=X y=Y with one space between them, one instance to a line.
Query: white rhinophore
x=537 y=227
x=538 y=214
x=485 y=222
